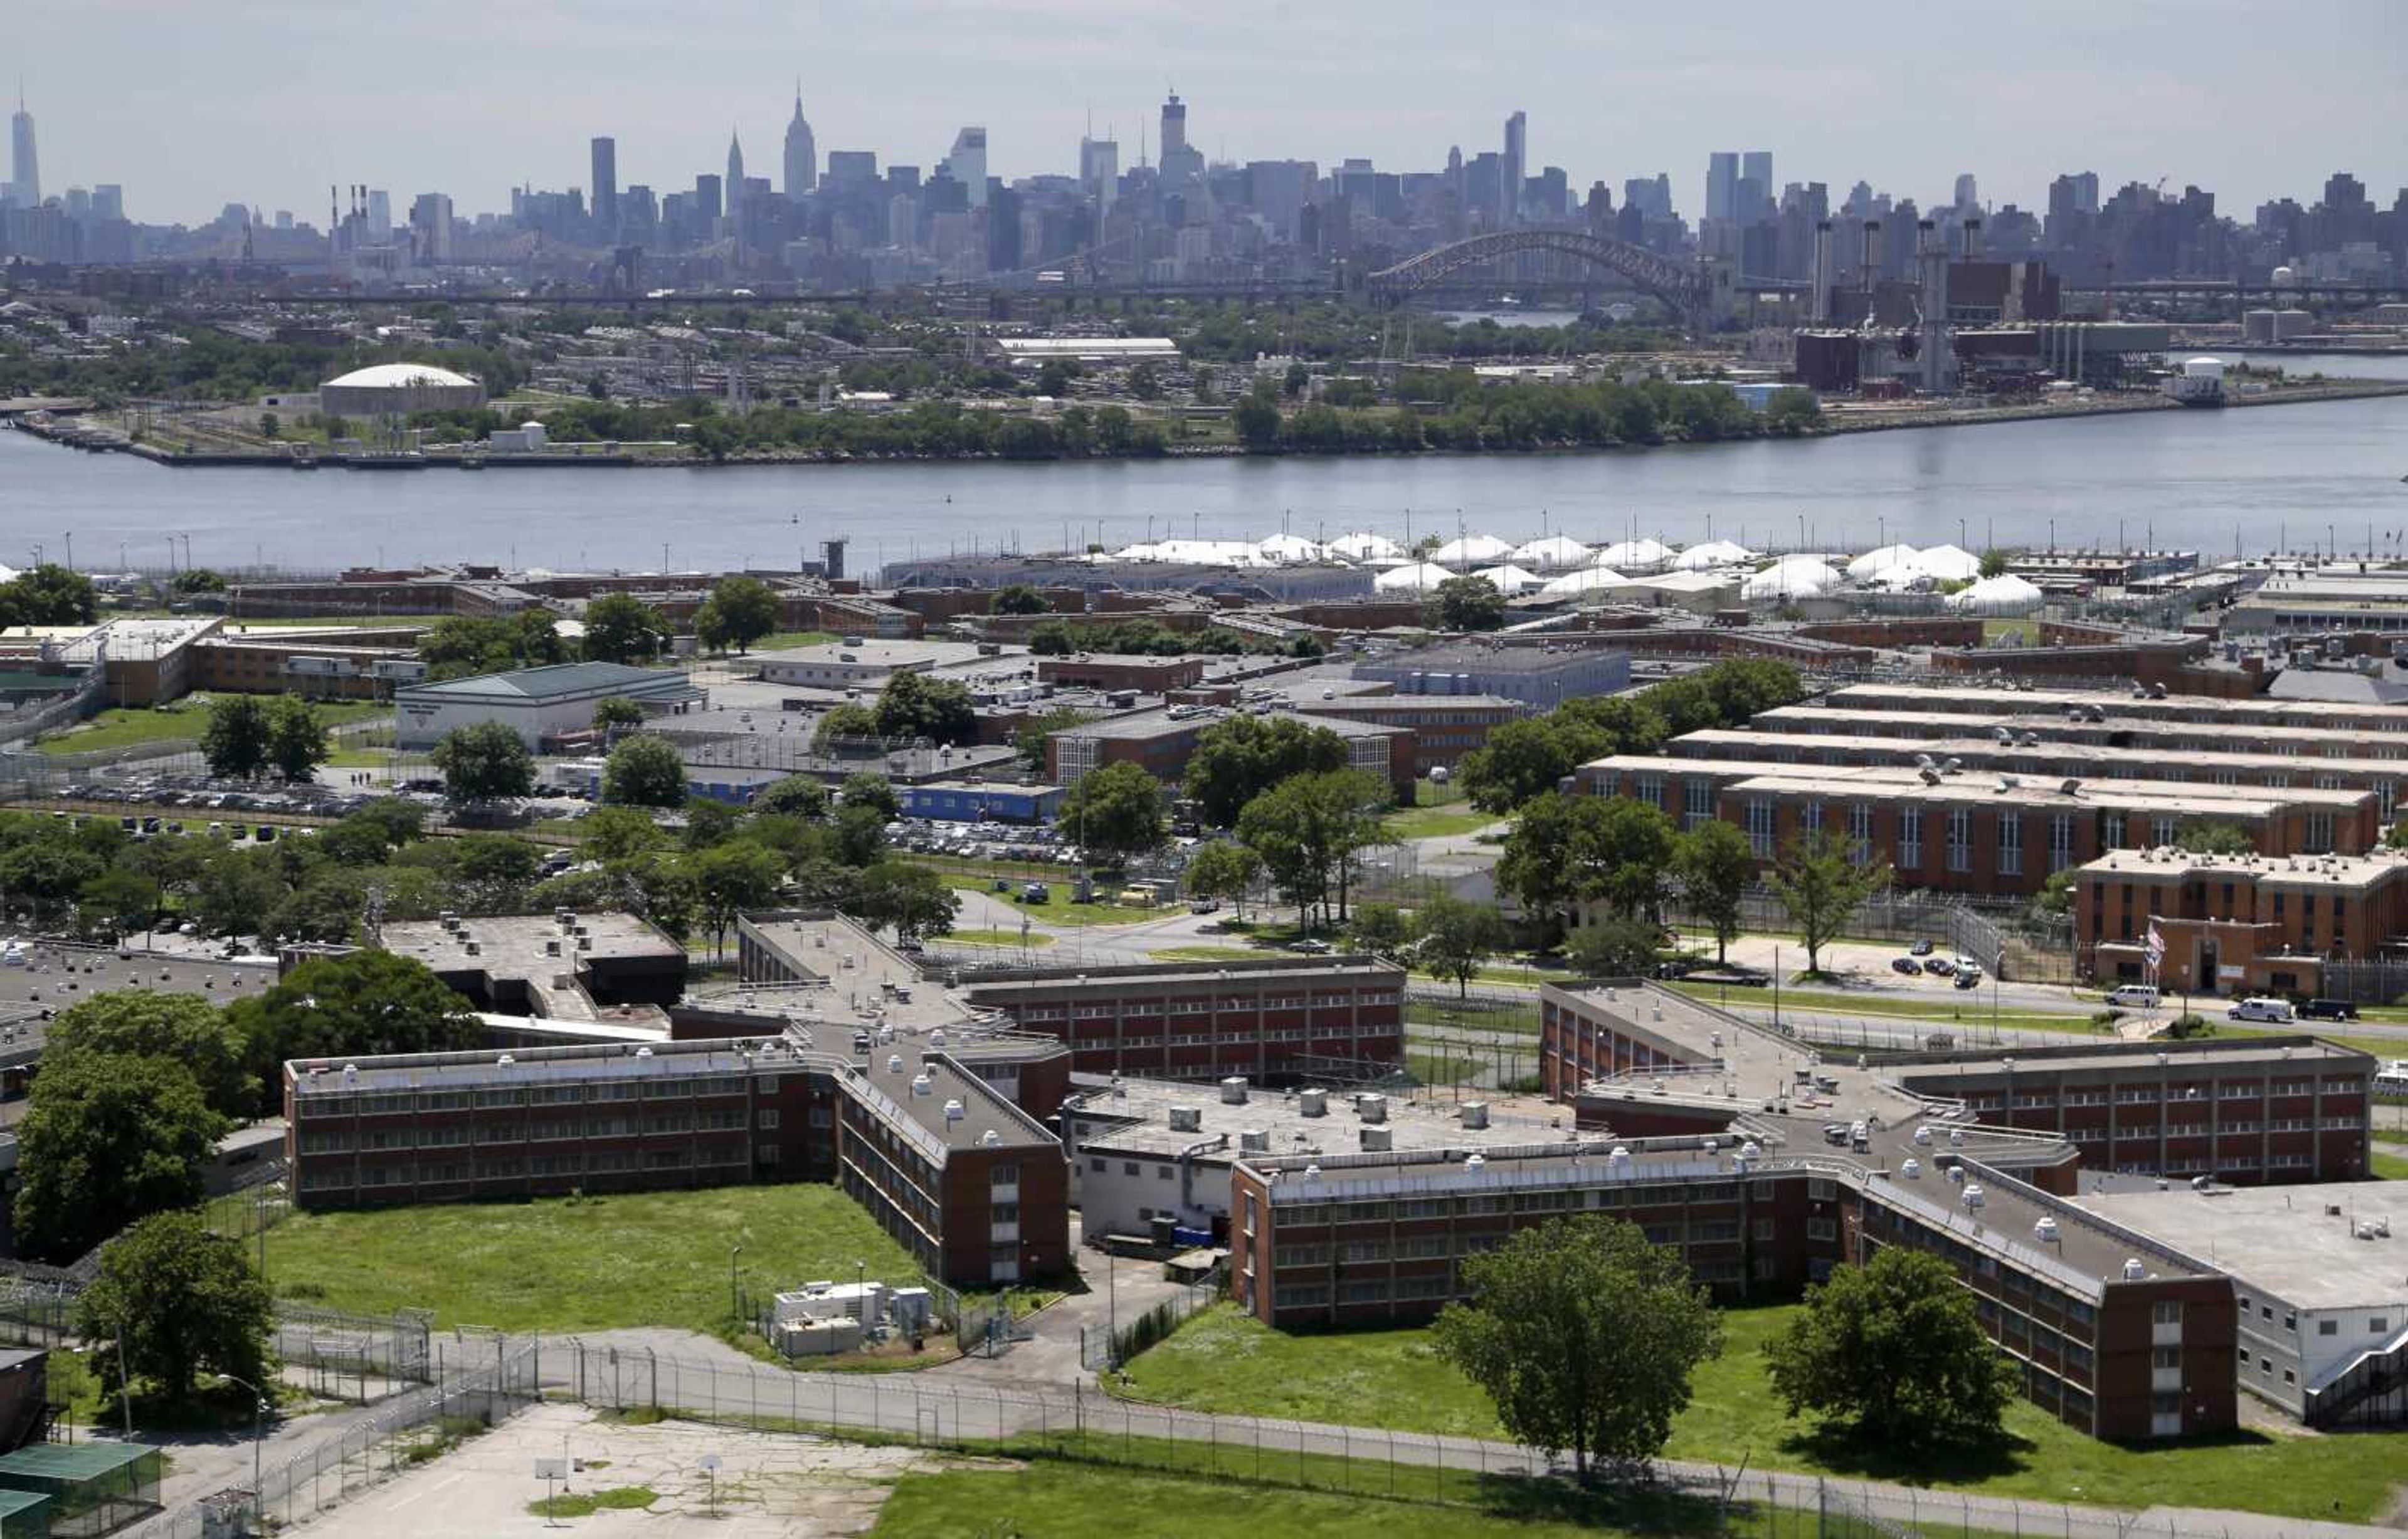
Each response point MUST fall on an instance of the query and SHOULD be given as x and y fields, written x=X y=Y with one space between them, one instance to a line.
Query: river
x=2247 y=477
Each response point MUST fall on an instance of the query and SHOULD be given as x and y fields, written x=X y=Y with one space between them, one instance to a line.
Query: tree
x=938 y=709
x=1611 y=948
x=740 y=611
x=843 y=721
x=360 y=1005
x=1308 y=829
x=1792 y=409
x=1028 y=741
x=644 y=771
x=184 y=1029
x=1145 y=381
x=1114 y=811
x=47 y=874
x=615 y=834
x=1624 y=723
x=117 y=901
x=1994 y=561
x=238 y=891
x=1381 y=929
x=111 y=1137
x=1584 y=1336
x=49 y=595
x=1715 y=867
x=200 y=580
x=1238 y=759
x=731 y=877
x=180 y=1301
x=621 y=628
x=1741 y=686
x=2213 y=836
x=296 y=739
x=1820 y=886
x=1018 y=598
x=1466 y=604
x=1894 y=1349
x=914 y=899
x=1256 y=417
x=491 y=870
x=615 y=712
x=1223 y=871
x=795 y=796
x=236 y=740
x=1453 y=936
x=864 y=790
x=1527 y=759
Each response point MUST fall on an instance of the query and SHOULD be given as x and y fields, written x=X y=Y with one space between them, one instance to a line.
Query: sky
x=269 y=102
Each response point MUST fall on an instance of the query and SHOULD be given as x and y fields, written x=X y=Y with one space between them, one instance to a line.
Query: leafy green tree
x=1224 y=871
x=1624 y=723
x=1453 y=937
x=179 y=1302
x=492 y=871
x=1820 y=885
x=613 y=834
x=360 y=1005
x=1308 y=830
x=235 y=741
x=1018 y=598
x=1028 y=741
x=1570 y=850
x=117 y=901
x=1466 y=604
x=864 y=790
x=621 y=628
x=200 y=580
x=709 y=822
x=237 y=893
x=644 y=771
x=731 y=877
x=1584 y=1336
x=184 y=1029
x=111 y=1137
x=1994 y=561
x=1715 y=868
x=615 y=712
x=938 y=709
x=1609 y=947
x=296 y=739
x=1793 y=410
x=1527 y=759
x=795 y=796
x=914 y=899
x=1236 y=760
x=2213 y=836
x=843 y=721
x=860 y=829
x=1684 y=704
x=1893 y=1350
x=1256 y=417
x=1381 y=929
x=46 y=875
x=459 y=647
x=51 y=595
x=1145 y=381
x=367 y=835
x=740 y=611
x=1741 y=687
x=2055 y=899
x=1114 y=812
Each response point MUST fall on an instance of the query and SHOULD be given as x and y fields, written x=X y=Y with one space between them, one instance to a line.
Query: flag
x=2157 y=947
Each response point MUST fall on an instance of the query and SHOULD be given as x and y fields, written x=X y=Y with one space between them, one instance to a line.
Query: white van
x=2135 y=996
x=2259 y=1008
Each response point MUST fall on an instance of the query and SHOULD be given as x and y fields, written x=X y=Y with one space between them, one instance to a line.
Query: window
x=1961 y=839
x=1812 y=817
x=1162 y=1173
x=2328 y=1328
x=1128 y=1167
x=2321 y=833
x=769 y=1119
x=1759 y=829
x=2060 y=841
x=1910 y=839
x=2011 y=844
x=2161 y=830
x=2378 y=1326
x=2165 y=1357
x=1861 y=830
x=1696 y=803
x=2110 y=831
x=1650 y=790
x=2166 y=1312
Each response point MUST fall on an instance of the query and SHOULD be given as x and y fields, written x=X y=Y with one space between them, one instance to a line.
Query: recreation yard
x=1223 y=1361
x=580 y=1264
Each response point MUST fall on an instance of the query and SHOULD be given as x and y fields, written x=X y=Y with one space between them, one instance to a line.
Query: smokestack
x=1973 y=239
x=1931 y=250
x=1820 y=311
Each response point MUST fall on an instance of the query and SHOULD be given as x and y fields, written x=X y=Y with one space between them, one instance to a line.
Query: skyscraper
x=1968 y=193
x=1757 y=167
x=1722 y=183
x=25 y=176
x=1182 y=163
x=1515 y=167
x=968 y=162
x=606 y=187
x=1100 y=170
x=802 y=153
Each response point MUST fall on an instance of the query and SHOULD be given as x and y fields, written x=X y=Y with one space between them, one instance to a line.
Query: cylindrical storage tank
x=2202 y=368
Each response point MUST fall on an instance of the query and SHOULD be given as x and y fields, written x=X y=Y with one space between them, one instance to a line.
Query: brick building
x=2237 y=924
x=1444 y=727
x=1161 y=741
x=1143 y=673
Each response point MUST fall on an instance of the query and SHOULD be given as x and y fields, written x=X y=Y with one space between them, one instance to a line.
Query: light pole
x=733 y=1252
x=258 y=1430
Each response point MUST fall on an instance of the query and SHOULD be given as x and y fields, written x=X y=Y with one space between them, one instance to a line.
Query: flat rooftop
x=2020 y=701
x=2170 y=864
x=2336 y=734
x=1172 y=720
x=1268 y=973
x=1133 y=1116
x=849 y=978
x=2097 y=759
x=872 y=654
x=513 y=945
x=2282 y=1239
x=1775 y=776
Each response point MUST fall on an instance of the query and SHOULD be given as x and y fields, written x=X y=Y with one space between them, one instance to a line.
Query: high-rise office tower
x=968 y=162
x=430 y=220
x=1181 y=162
x=606 y=187
x=1755 y=166
x=1967 y=193
x=735 y=183
x=1515 y=167
x=108 y=201
x=1722 y=183
x=1100 y=170
x=25 y=176
x=1174 y=125
x=802 y=152
x=379 y=217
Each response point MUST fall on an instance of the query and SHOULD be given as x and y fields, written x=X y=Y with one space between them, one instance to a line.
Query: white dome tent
x=1791 y=577
x=1365 y=545
x=1875 y=562
x=1418 y=577
x=2007 y=594
x=1948 y=564
x=1289 y=548
x=1509 y=580
x=1588 y=580
x=1640 y=555
x=1472 y=550
x=1904 y=578
x=1713 y=554
x=1554 y=553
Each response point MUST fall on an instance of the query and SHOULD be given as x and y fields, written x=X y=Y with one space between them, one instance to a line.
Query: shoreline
x=72 y=436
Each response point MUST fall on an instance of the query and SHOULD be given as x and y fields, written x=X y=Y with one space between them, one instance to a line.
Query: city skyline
x=102 y=81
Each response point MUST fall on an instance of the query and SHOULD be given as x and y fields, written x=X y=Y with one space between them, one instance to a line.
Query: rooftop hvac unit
x=2133 y=1270
x=1233 y=1091
x=473 y=947
x=923 y=1084
x=1312 y=1103
x=1186 y=1119
x=1973 y=1194
x=2071 y=785
x=1472 y=1162
x=1253 y=1140
x=1912 y=1170
x=990 y=1139
x=952 y=1111
x=1378 y=1140
x=1473 y=1113
x=1371 y=1109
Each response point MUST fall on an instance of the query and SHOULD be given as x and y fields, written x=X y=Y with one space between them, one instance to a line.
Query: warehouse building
x=536 y=702
x=1540 y=677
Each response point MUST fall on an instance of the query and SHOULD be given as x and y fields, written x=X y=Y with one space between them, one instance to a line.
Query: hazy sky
x=192 y=104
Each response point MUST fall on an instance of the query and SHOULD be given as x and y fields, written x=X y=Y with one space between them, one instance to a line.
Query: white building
x=535 y=703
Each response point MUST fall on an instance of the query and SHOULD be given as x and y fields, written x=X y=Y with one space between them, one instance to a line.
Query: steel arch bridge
x=1689 y=288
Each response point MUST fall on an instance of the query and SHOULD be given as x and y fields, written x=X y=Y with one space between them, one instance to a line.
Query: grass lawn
x=2388 y=1167
x=780 y=640
x=125 y=727
x=657 y=1258
x=1206 y=953
x=1061 y=910
x=1035 y=939
x=1224 y=1360
x=1437 y=822
x=1954 y=1008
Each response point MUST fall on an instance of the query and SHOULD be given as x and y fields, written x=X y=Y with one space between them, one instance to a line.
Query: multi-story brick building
x=918 y=1128
x=1444 y=727
x=1162 y=741
x=1270 y=1020
x=2237 y=923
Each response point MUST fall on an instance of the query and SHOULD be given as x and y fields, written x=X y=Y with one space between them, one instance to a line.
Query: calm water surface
x=2209 y=479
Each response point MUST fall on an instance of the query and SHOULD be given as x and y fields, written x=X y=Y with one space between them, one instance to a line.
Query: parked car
x=1906 y=965
x=1920 y=948
x=1036 y=893
x=2329 y=1009
x=2260 y=1007
x=1311 y=947
x=1938 y=966
x=1969 y=978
